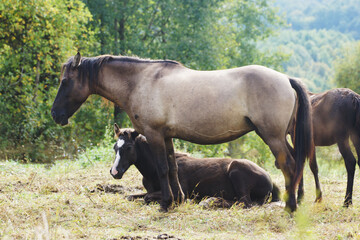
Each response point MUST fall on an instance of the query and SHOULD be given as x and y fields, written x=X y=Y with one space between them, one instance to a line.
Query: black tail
x=275 y=194
x=303 y=130
x=356 y=102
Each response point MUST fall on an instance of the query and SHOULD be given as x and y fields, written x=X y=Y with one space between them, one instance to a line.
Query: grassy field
x=78 y=199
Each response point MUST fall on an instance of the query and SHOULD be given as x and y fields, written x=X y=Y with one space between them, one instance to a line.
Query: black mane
x=90 y=66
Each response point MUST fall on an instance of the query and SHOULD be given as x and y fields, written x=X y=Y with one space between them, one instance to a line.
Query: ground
x=80 y=200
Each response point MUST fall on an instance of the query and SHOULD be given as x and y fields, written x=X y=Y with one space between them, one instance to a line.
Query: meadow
x=78 y=199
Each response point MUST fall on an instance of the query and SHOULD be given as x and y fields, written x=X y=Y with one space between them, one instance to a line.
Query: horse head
x=73 y=91
x=125 y=152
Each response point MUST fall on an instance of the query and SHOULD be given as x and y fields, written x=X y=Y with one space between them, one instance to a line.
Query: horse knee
x=163 y=171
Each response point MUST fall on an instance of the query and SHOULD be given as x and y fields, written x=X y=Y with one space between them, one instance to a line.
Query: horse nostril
x=53 y=114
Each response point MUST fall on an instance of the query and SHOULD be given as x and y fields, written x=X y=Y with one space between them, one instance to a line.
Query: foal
x=234 y=180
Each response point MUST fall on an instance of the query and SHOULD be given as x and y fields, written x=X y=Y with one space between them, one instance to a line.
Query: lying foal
x=237 y=180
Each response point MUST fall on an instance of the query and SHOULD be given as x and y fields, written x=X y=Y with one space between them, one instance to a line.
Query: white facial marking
x=120 y=142
x=116 y=163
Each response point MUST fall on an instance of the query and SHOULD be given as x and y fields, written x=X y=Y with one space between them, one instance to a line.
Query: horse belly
x=210 y=120
x=214 y=130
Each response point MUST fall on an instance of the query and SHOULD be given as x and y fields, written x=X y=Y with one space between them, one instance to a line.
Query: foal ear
x=76 y=60
x=134 y=134
x=116 y=130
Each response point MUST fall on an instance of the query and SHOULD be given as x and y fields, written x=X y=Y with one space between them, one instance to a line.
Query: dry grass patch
x=73 y=200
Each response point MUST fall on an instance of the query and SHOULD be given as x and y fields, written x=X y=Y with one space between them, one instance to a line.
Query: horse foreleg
x=355 y=138
x=315 y=171
x=350 y=164
x=157 y=146
x=300 y=195
x=173 y=172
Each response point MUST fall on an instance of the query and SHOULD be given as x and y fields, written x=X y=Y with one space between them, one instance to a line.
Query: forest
x=55 y=181
x=38 y=36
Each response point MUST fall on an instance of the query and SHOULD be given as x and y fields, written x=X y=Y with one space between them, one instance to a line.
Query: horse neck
x=116 y=81
x=144 y=162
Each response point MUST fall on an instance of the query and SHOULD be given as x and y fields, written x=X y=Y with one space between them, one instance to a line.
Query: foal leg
x=239 y=180
x=173 y=172
x=350 y=164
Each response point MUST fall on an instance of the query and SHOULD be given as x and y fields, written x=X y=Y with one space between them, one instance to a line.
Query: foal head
x=125 y=152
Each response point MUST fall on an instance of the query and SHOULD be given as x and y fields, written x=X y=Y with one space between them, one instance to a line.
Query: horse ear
x=116 y=129
x=76 y=60
x=134 y=134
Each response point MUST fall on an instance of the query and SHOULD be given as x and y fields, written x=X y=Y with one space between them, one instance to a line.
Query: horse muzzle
x=60 y=117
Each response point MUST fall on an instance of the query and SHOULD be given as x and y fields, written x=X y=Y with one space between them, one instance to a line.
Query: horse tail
x=275 y=194
x=303 y=130
x=356 y=103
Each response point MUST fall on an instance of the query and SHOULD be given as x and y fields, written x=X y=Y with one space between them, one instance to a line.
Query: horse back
x=210 y=107
x=335 y=115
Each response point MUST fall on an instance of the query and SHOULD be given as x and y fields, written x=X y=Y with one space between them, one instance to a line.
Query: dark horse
x=336 y=120
x=166 y=100
x=237 y=180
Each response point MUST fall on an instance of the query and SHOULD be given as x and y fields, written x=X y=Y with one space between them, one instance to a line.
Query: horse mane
x=90 y=67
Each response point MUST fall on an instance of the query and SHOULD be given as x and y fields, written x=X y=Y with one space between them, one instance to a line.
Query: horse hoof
x=291 y=205
x=163 y=210
x=347 y=204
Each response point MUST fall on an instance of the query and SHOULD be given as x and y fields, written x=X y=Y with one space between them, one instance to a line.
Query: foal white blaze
x=119 y=143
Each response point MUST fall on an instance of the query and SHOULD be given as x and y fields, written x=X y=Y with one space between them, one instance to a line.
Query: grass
x=63 y=200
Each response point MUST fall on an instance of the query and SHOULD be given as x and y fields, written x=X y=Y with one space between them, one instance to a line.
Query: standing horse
x=336 y=120
x=231 y=179
x=166 y=100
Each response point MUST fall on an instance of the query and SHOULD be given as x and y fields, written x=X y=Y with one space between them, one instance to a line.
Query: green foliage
x=35 y=37
x=342 y=16
x=312 y=54
x=252 y=147
x=347 y=68
x=204 y=35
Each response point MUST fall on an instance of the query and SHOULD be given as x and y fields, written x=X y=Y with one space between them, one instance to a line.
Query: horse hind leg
x=350 y=164
x=286 y=163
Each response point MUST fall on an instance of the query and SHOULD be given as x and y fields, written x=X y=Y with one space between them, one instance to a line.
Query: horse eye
x=64 y=81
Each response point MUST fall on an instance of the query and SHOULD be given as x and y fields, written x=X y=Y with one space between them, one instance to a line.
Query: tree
x=35 y=37
x=347 y=68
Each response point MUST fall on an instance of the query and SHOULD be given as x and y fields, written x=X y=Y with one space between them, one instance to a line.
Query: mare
x=234 y=180
x=166 y=100
x=336 y=120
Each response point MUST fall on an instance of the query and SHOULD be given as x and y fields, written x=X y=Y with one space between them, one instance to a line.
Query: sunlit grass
x=60 y=201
